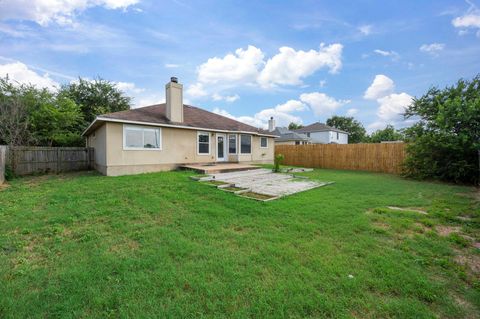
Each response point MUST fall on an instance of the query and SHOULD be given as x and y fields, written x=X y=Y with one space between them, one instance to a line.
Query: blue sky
x=300 y=61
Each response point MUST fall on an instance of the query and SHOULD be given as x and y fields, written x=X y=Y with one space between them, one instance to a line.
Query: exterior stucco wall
x=328 y=137
x=98 y=140
x=179 y=146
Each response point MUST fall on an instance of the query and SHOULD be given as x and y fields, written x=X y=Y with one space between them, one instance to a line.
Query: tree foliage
x=445 y=142
x=388 y=134
x=355 y=129
x=33 y=116
x=96 y=97
x=294 y=126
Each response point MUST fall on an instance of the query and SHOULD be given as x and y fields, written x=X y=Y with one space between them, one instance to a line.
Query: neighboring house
x=287 y=137
x=320 y=133
x=165 y=136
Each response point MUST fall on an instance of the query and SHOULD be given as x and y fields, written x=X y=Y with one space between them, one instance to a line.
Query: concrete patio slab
x=264 y=181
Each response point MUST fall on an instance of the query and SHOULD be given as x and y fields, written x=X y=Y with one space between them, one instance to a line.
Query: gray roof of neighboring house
x=286 y=135
x=318 y=127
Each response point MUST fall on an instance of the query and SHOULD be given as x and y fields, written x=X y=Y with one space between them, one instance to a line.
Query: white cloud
x=352 y=112
x=289 y=66
x=322 y=104
x=433 y=48
x=247 y=67
x=129 y=87
x=20 y=73
x=241 y=67
x=226 y=98
x=59 y=11
x=281 y=113
x=365 y=29
x=391 y=106
x=392 y=54
x=470 y=20
x=290 y=106
x=467 y=21
x=322 y=83
x=381 y=86
x=196 y=90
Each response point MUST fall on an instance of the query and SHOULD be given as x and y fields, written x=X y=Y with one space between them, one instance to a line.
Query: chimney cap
x=271 y=117
x=174 y=79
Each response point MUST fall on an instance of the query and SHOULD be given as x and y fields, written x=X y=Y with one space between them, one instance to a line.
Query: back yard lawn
x=162 y=245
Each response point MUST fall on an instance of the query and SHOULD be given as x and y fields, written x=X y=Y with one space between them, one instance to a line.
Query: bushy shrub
x=277 y=161
x=445 y=142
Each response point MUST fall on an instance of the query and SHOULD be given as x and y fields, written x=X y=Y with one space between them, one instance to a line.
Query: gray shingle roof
x=318 y=127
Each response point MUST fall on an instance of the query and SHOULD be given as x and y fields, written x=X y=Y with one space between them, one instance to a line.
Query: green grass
x=161 y=245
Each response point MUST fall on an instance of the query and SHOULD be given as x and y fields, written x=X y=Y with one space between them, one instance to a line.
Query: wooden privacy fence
x=25 y=160
x=378 y=157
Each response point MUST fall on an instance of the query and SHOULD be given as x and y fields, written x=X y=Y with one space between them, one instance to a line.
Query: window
x=297 y=143
x=308 y=134
x=203 y=143
x=232 y=144
x=263 y=142
x=140 y=137
x=245 y=144
x=337 y=135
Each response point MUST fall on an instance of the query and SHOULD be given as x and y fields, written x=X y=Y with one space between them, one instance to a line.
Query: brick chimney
x=271 y=124
x=174 y=96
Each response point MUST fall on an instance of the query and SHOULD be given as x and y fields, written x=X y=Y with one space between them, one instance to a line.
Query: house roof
x=318 y=127
x=193 y=118
x=286 y=135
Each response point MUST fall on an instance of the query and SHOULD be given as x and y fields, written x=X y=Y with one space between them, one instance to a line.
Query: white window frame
x=236 y=143
x=209 y=143
x=240 y=144
x=141 y=127
x=266 y=139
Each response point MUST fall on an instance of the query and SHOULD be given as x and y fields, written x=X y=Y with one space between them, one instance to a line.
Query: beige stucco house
x=165 y=136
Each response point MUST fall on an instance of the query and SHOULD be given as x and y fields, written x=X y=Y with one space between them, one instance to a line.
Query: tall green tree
x=355 y=129
x=445 y=142
x=32 y=116
x=294 y=126
x=388 y=134
x=96 y=97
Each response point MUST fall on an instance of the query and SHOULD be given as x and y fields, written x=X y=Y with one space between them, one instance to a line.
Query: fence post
x=3 y=159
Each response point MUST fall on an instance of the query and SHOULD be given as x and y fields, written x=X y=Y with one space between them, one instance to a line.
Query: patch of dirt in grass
x=3 y=186
x=409 y=209
x=445 y=231
x=233 y=189
x=469 y=309
x=126 y=246
x=257 y=195
x=381 y=225
x=470 y=261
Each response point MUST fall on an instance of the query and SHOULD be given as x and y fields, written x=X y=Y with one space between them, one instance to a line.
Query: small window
x=138 y=137
x=232 y=144
x=203 y=143
x=245 y=144
x=308 y=134
x=263 y=142
x=337 y=135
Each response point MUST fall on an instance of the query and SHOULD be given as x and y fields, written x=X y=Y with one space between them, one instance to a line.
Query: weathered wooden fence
x=3 y=151
x=25 y=160
x=378 y=157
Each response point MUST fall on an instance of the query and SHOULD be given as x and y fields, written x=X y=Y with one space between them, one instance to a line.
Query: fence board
x=25 y=160
x=375 y=157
